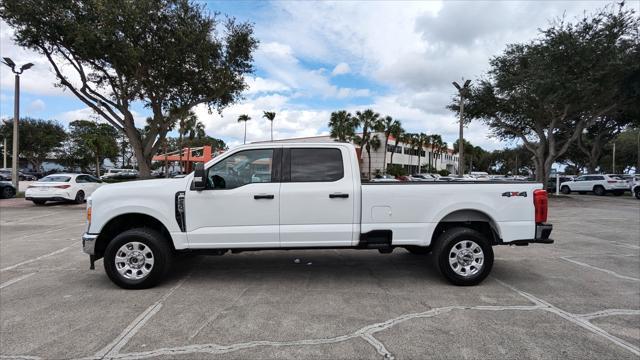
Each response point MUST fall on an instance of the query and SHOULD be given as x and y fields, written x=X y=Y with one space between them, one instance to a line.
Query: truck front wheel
x=137 y=258
x=464 y=256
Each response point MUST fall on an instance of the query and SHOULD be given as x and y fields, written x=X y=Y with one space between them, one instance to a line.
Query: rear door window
x=316 y=165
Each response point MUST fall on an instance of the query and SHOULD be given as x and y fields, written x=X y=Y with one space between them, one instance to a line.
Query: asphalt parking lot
x=578 y=298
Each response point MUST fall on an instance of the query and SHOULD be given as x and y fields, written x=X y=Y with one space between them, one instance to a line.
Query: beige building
x=404 y=156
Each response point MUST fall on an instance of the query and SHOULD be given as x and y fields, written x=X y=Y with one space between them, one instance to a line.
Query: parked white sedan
x=62 y=187
x=598 y=183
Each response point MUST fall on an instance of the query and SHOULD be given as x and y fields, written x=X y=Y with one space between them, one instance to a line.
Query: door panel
x=239 y=208
x=315 y=211
x=233 y=218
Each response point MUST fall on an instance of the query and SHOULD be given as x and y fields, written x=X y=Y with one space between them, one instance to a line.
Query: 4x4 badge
x=514 y=193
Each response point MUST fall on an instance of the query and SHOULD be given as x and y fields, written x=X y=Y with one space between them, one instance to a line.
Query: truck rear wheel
x=463 y=256
x=137 y=258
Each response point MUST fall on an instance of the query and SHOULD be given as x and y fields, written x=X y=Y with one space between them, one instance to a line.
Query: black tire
x=599 y=190
x=7 y=193
x=565 y=190
x=79 y=197
x=418 y=250
x=637 y=194
x=162 y=256
x=443 y=249
x=39 y=202
x=618 y=192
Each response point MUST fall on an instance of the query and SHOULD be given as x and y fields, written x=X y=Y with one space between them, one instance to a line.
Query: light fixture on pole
x=462 y=91
x=16 y=118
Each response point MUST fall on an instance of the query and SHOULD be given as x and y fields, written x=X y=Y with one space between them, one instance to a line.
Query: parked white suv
x=598 y=183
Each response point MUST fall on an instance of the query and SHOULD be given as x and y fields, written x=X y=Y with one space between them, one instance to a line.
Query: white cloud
x=282 y=66
x=289 y=122
x=261 y=85
x=341 y=69
x=36 y=105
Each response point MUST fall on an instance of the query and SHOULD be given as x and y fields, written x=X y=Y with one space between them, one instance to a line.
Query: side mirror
x=199 y=178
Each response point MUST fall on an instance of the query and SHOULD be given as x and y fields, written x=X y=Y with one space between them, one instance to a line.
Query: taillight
x=540 y=202
x=612 y=181
x=62 y=186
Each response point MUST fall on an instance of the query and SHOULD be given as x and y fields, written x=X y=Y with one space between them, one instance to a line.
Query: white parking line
x=599 y=269
x=15 y=280
x=36 y=259
x=132 y=329
x=4 y=223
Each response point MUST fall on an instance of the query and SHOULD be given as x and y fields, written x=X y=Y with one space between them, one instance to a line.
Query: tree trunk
x=97 y=164
x=384 y=162
x=180 y=154
x=369 y=156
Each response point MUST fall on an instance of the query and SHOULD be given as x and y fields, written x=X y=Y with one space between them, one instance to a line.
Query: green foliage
x=170 y=55
x=547 y=91
x=444 y=172
x=396 y=170
x=38 y=139
x=91 y=143
x=342 y=126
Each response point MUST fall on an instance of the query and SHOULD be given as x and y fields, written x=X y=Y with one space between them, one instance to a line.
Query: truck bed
x=412 y=210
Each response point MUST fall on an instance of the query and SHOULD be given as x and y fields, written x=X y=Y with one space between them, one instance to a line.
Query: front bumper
x=89 y=243
x=543 y=231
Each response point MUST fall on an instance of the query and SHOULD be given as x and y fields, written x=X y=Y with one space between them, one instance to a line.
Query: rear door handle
x=337 y=195
x=263 y=196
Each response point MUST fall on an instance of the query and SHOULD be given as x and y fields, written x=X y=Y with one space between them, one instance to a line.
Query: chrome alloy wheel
x=466 y=258
x=134 y=260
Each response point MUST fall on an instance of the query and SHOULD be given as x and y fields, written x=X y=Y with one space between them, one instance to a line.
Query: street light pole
x=462 y=91
x=16 y=118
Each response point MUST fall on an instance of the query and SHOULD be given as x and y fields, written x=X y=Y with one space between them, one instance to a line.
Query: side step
x=377 y=239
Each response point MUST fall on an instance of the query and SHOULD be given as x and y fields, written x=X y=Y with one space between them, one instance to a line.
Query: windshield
x=55 y=178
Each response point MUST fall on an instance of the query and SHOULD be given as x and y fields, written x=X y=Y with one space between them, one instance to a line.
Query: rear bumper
x=543 y=231
x=46 y=198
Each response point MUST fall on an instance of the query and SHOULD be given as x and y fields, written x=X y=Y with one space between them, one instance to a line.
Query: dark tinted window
x=55 y=178
x=242 y=168
x=313 y=165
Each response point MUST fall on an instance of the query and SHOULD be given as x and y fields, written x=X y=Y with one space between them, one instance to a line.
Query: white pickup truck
x=302 y=196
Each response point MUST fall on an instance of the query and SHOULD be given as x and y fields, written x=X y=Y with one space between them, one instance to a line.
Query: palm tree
x=342 y=125
x=370 y=121
x=421 y=140
x=197 y=131
x=397 y=132
x=270 y=115
x=244 y=118
x=389 y=127
x=187 y=121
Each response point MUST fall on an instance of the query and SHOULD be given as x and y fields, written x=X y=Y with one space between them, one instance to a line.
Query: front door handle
x=338 y=195
x=263 y=196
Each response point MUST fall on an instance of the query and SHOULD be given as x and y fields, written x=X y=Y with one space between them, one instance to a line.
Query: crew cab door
x=239 y=207
x=316 y=197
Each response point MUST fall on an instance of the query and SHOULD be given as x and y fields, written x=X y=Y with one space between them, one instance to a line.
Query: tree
x=270 y=115
x=548 y=91
x=438 y=146
x=244 y=118
x=39 y=139
x=167 y=55
x=397 y=132
x=369 y=121
x=93 y=142
x=342 y=126
x=390 y=127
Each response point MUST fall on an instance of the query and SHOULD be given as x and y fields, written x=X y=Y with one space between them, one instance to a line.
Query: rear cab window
x=316 y=165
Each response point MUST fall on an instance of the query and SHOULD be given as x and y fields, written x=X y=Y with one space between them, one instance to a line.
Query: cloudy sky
x=398 y=58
